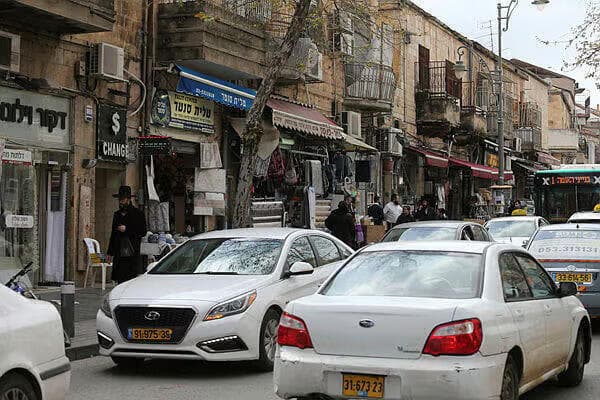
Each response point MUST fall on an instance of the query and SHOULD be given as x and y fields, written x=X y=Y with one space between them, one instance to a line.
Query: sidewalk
x=87 y=303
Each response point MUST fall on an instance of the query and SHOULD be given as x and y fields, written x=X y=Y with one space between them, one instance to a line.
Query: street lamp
x=510 y=8
x=461 y=70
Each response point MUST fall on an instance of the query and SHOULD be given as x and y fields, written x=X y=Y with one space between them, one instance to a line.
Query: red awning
x=481 y=171
x=432 y=159
x=304 y=119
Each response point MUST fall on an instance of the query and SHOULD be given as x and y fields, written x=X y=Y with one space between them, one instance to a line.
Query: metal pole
x=67 y=307
x=500 y=102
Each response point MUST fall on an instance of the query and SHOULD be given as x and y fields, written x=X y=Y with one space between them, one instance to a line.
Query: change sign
x=112 y=133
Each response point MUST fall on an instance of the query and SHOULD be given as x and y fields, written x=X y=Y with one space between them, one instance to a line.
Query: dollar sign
x=116 y=127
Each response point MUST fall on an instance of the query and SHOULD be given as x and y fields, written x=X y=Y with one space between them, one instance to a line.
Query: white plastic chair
x=95 y=261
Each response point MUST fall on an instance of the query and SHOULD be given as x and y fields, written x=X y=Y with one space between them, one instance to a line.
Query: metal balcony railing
x=531 y=138
x=370 y=81
x=438 y=79
x=530 y=116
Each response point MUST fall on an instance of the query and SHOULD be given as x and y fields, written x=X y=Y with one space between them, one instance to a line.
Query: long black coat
x=342 y=226
x=125 y=268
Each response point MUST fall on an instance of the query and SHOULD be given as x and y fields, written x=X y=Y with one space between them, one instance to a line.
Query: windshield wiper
x=218 y=273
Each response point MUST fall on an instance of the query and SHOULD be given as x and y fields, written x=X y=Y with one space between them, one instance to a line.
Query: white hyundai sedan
x=433 y=320
x=33 y=365
x=217 y=297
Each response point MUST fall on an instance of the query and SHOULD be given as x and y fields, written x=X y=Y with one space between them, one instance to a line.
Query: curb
x=81 y=352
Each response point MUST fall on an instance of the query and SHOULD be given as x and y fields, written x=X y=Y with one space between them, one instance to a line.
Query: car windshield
x=502 y=229
x=573 y=244
x=420 y=233
x=449 y=275
x=223 y=256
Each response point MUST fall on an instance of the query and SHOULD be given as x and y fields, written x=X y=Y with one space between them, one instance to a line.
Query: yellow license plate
x=367 y=386
x=573 y=277
x=158 y=334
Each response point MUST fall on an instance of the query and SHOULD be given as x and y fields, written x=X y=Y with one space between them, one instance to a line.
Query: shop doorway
x=107 y=184
x=54 y=207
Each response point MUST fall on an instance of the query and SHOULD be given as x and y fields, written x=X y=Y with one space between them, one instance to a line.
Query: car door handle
x=548 y=310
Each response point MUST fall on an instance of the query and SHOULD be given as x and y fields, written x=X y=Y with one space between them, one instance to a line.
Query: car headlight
x=105 y=307
x=231 y=307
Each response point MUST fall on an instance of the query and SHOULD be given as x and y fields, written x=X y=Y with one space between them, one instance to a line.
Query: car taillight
x=293 y=332
x=459 y=338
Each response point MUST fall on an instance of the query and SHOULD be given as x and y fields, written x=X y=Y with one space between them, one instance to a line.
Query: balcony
x=528 y=126
x=531 y=139
x=474 y=120
x=59 y=17
x=438 y=94
x=223 y=38
x=369 y=86
x=508 y=117
x=563 y=140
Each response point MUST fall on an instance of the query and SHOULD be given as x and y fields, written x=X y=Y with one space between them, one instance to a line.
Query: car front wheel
x=268 y=340
x=574 y=373
x=16 y=387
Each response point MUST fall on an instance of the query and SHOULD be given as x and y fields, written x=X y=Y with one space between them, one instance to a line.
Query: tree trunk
x=253 y=130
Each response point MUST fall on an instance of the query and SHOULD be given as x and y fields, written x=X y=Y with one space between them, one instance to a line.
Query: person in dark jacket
x=425 y=212
x=406 y=216
x=375 y=211
x=128 y=228
x=341 y=224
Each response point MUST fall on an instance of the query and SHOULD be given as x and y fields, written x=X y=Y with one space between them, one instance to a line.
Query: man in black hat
x=128 y=228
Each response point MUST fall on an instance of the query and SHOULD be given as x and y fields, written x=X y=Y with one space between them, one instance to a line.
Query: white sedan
x=432 y=320
x=33 y=365
x=514 y=230
x=217 y=297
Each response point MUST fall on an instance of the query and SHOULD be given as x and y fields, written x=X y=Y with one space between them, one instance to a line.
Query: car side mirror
x=150 y=266
x=300 y=268
x=567 y=289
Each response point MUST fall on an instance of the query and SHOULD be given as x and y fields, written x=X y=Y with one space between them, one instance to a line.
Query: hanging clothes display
x=152 y=194
x=276 y=167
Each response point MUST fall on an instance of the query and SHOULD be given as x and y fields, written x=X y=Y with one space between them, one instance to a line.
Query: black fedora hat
x=124 y=192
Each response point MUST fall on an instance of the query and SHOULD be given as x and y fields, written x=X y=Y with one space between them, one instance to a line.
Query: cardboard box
x=373 y=233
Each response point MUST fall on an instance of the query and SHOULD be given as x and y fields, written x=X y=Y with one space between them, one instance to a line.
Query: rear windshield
x=447 y=275
x=420 y=233
x=503 y=229
x=576 y=244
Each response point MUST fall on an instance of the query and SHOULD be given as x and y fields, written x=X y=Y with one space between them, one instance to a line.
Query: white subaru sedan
x=217 y=297
x=33 y=365
x=433 y=320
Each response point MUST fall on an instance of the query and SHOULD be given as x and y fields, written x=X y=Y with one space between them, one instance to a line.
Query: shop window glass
x=18 y=238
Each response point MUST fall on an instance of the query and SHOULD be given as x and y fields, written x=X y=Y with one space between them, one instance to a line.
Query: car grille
x=177 y=319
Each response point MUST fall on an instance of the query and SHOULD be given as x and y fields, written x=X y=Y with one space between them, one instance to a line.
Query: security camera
x=89 y=163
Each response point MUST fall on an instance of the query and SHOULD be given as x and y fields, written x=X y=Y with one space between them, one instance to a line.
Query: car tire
x=510 y=381
x=268 y=340
x=128 y=362
x=574 y=373
x=16 y=386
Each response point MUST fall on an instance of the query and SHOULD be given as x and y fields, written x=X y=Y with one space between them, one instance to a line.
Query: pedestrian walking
x=341 y=224
x=375 y=211
x=406 y=216
x=128 y=228
x=392 y=211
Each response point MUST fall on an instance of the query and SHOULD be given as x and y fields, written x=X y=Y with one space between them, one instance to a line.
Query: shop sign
x=19 y=221
x=112 y=133
x=154 y=145
x=570 y=180
x=17 y=157
x=492 y=160
x=177 y=110
x=36 y=118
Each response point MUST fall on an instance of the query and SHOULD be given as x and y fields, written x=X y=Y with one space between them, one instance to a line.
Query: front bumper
x=55 y=379
x=244 y=326
x=300 y=373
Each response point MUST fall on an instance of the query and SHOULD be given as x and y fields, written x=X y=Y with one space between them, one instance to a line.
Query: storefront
x=35 y=144
x=432 y=169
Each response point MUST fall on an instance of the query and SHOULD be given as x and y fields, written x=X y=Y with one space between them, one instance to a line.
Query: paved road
x=98 y=379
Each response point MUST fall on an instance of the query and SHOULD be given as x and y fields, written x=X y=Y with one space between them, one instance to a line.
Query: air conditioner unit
x=395 y=147
x=351 y=123
x=518 y=144
x=10 y=51
x=307 y=60
x=107 y=62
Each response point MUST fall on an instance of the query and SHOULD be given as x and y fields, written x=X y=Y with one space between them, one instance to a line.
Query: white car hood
x=187 y=287
x=516 y=240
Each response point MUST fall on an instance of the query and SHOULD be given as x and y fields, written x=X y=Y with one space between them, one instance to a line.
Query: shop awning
x=432 y=159
x=353 y=144
x=480 y=171
x=197 y=84
x=304 y=119
x=525 y=166
x=548 y=159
